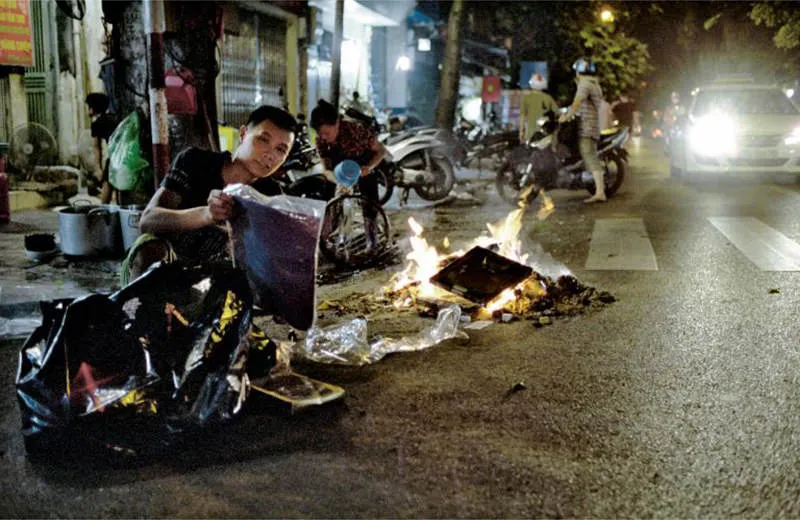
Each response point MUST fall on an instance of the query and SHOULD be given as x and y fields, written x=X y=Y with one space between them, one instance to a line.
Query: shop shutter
x=253 y=66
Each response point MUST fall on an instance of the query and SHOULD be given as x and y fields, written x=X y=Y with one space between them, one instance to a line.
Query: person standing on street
x=587 y=104
x=535 y=105
x=103 y=125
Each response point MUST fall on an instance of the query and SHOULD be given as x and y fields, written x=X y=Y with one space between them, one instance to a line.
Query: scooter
x=416 y=160
x=550 y=160
x=472 y=142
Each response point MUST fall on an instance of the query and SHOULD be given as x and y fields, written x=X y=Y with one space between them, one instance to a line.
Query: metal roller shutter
x=253 y=66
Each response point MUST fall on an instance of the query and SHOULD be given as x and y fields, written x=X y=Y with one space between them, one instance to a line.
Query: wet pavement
x=678 y=400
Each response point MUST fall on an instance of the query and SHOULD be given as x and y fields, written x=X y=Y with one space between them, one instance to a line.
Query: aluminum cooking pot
x=88 y=230
x=129 y=217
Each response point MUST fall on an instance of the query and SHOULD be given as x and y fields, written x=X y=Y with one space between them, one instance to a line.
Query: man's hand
x=220 y=206
x=365 y=171
x=563 y=118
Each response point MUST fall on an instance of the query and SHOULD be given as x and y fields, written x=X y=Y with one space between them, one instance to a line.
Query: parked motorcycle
x=551 y=161
x=472 y=142
x=417 y=161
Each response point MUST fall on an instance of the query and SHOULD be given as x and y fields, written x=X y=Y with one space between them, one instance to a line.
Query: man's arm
x=378 y=153
x=161 y=214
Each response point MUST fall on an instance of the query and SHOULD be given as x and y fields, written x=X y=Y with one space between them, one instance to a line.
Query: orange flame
x=424 y=261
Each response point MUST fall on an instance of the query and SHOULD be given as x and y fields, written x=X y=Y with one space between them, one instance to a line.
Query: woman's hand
x=220 y=206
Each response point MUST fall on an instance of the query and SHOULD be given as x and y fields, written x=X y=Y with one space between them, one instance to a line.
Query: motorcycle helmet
x=584 y=66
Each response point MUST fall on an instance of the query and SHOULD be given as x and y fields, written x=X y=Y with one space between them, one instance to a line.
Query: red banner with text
x=15 y=33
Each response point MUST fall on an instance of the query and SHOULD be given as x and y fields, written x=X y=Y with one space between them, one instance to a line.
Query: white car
x=737 y=128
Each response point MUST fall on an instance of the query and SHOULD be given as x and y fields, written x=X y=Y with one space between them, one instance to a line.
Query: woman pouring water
x=339 y=140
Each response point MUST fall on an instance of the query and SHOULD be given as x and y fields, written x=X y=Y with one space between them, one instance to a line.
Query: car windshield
x=764 y=101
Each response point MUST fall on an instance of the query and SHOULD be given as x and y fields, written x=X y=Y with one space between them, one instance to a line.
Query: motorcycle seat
x=609 y=134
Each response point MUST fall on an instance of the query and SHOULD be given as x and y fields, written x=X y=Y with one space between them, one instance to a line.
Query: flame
x=424 y=261
x=501 y=300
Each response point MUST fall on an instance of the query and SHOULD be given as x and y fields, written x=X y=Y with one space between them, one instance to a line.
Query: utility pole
x=448 y=92
x=154 y=28
x=189 y=47
x=336 y=55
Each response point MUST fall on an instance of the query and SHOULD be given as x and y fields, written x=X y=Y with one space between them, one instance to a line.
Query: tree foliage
x=622 y=59
x=783 y=15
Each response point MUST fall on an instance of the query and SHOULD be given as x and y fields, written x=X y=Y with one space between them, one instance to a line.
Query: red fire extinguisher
x=5 y=210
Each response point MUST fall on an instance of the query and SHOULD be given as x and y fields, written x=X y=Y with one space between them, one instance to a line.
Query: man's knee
x=146 y=255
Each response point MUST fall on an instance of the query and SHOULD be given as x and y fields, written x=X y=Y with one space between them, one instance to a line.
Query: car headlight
x=713 y=135
x=793 y=138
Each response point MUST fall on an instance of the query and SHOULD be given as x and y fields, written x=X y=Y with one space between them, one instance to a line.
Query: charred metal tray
x=480 y=275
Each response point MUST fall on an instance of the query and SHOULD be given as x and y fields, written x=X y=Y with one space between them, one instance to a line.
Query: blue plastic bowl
x=347 y=173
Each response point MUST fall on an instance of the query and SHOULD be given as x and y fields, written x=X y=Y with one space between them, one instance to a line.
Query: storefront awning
x=353 y=12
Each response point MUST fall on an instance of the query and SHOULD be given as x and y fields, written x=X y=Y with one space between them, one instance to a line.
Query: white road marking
x=768 y=248
x=620 y=244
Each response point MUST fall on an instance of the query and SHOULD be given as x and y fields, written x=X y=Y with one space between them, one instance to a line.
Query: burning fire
x=424 y=261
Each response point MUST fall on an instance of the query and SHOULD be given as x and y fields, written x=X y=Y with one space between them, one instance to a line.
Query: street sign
x=15 y=33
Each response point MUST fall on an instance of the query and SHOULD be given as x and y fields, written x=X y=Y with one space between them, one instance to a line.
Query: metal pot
x=88 y=230
x=129 y=217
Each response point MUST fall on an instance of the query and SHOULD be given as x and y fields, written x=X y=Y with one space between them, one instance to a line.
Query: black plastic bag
x=133 y=370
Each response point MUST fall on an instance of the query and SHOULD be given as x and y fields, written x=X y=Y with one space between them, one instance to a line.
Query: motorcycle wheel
x=614 y=175
x=508 y=182
x=313 y=187
x=442 y=172
x=343 y=239
x=385 y=173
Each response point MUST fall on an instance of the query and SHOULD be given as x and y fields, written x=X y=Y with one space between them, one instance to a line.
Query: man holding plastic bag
x=182 y=219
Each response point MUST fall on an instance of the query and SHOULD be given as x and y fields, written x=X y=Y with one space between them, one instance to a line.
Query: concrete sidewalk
x=24 y=282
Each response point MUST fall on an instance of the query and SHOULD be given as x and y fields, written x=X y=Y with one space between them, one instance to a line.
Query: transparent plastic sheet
x=276 y=241
x=133 y=370
x=346 y=344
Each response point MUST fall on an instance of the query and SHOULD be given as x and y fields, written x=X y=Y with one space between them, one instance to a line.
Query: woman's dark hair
x=98 y=102
x=323 y=114
x=278 y=116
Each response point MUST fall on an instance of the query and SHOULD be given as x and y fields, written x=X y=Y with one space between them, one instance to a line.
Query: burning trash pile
x=492 y=280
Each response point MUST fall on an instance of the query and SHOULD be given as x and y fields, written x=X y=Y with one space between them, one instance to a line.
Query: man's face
x=329 y=133
x=264 y=148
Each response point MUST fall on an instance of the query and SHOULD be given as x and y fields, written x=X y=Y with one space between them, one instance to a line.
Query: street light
x=607 y=15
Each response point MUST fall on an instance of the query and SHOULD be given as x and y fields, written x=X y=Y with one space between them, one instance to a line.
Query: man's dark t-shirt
x=193 y=174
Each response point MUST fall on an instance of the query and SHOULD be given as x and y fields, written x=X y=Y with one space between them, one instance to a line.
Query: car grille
x=763 y=162
x=706 y=161
x=760 y=141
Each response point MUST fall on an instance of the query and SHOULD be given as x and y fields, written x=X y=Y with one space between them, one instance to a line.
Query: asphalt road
x=679 y=400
